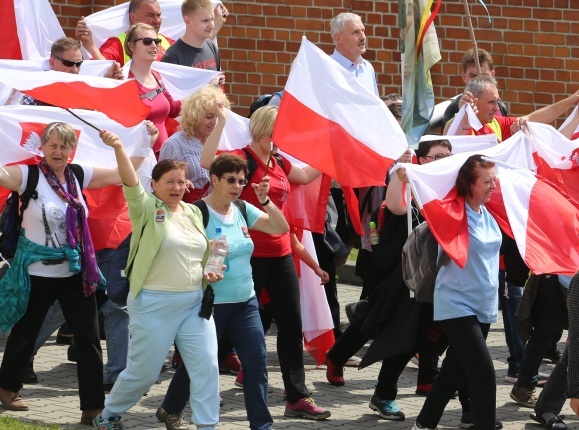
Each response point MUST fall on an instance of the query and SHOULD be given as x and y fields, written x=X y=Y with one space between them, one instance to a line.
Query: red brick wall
x=535 y=44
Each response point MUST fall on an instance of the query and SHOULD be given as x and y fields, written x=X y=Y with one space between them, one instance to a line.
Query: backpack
x=11 y=215
x=262 y=101
x=205 y=212
x=252 y=164
x=419 y=263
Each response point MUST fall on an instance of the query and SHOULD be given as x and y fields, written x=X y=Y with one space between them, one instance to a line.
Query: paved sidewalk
x=55 y=398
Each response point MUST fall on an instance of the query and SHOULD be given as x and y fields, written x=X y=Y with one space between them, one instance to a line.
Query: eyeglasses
x=231 y=180
x=148 y=40
x=437 y=156
x=68 y=63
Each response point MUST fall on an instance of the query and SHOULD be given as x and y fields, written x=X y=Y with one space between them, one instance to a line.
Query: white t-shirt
x=54 y=209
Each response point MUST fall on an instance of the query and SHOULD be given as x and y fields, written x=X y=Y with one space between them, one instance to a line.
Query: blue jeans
x=158 y=318
x=111 y=262
x=509 y=299
x=242 y=324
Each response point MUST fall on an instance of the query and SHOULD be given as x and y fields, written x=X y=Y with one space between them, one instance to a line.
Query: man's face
x=72 y=55
x=148 y=13
x=488 y=104
x=471 y=73
x=200 y=23
x=351 y=41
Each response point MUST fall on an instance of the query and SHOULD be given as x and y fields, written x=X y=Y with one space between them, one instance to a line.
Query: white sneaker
x=417 y=426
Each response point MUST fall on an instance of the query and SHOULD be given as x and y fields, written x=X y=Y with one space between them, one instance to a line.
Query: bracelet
x=462 y=128
x=266 y=202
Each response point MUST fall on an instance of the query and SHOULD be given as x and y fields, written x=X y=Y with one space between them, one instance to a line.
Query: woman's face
x=56 y=152
x=483 y=187
x=170 y=187
x=228 y=186
x=142 y=52
x=205 y=125
x=436 y=152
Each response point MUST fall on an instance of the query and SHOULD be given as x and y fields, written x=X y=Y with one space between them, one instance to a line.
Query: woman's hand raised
x=110 y=139
x=262 y=189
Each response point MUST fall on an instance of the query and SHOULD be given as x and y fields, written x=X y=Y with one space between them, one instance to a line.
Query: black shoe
x=467 y=423
x=71 y=353
x=549 y=421
x=30 y=377
x=63 y=338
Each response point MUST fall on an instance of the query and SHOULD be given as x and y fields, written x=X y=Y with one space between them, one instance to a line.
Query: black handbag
x=207 y=302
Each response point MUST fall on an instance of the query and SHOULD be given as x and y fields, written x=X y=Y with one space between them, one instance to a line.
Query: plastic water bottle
x=219 y=251
x=374 y=234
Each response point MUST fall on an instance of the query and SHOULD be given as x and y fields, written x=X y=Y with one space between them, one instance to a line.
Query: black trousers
x=467 y=359
x=80 y=313
x=279 y=278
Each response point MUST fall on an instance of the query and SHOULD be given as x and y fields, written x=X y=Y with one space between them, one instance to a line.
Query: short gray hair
x=64 y=131
x=478 y=85
x=337 y=23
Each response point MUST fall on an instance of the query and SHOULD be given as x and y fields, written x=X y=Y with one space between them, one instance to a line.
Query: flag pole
x=83 y=120
x=472 y=37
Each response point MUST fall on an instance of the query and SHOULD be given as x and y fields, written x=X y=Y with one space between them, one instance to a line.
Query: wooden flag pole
x=472 y=38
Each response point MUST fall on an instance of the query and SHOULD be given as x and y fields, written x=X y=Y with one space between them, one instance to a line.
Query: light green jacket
x=149 y=219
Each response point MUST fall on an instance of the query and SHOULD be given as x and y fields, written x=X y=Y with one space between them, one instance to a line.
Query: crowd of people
x=199 y=193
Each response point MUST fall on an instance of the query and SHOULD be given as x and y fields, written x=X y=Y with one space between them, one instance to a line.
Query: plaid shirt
x=187 y=149
x=29 y=101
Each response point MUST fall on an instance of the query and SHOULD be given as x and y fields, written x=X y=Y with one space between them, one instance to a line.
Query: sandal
x=555 y=423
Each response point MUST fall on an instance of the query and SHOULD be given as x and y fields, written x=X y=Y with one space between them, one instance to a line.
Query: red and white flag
x=30 y=27
x=465 y=143
x=119 y=100
x=524 y=204
x=20 y=130
x=556 y=157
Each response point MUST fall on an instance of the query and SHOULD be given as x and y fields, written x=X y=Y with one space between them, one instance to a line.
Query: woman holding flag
x=466 y=303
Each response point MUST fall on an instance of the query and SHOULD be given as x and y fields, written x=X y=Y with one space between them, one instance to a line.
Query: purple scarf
x=77 y=231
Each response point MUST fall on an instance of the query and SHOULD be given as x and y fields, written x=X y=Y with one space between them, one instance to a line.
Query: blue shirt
x=364 y=71
x=473 y=289
x=237 y=283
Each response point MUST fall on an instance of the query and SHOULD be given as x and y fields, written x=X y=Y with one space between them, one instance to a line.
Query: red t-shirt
x=268 y=245
x=504 y=123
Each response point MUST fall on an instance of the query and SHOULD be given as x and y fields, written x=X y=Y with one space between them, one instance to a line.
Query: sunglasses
x=68 y=63
x=231 y=180
x=148 y=40
x=437 y=156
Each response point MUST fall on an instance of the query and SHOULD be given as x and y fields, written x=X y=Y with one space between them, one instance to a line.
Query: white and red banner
x=119 y=100
x=115 y=20
x=180 y=81
x=20 y=130
x=30 y=27
x=462 y=144
x=524 y=204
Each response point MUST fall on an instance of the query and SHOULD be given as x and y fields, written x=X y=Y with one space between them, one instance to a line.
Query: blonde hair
x=190 y=6
x=194 y=107
x=262 y=121
x=133 y=34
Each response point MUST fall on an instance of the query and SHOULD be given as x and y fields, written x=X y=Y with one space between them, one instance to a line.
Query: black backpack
x=205 y=212
x=11 y=215
x=262 y=101
x=252 y=164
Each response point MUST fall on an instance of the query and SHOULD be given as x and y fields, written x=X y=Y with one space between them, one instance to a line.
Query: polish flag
x=526 y=206
x=329 y=120
x=114 y=20
x=180 y=81
x=119 y=100
x=465 y=143
x=31 y=27
x=556 y=158
x=20 y=130
x=8 y=96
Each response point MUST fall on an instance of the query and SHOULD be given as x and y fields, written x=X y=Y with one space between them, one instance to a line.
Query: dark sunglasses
x=437 y=156
x=148 y=40
x=68 y=63
x=231 y=180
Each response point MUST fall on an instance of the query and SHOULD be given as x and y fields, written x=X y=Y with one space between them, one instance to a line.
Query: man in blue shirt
x=349 y=36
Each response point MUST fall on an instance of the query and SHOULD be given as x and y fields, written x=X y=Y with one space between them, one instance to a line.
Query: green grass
x=9 y=423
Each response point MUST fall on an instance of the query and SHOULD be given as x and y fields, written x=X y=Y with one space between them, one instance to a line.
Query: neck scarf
x=77 y=231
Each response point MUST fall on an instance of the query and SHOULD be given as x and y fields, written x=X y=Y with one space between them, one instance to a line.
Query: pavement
x=55 y=398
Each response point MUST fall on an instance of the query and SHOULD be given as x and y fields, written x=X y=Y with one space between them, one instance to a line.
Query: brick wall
x=535 y=44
